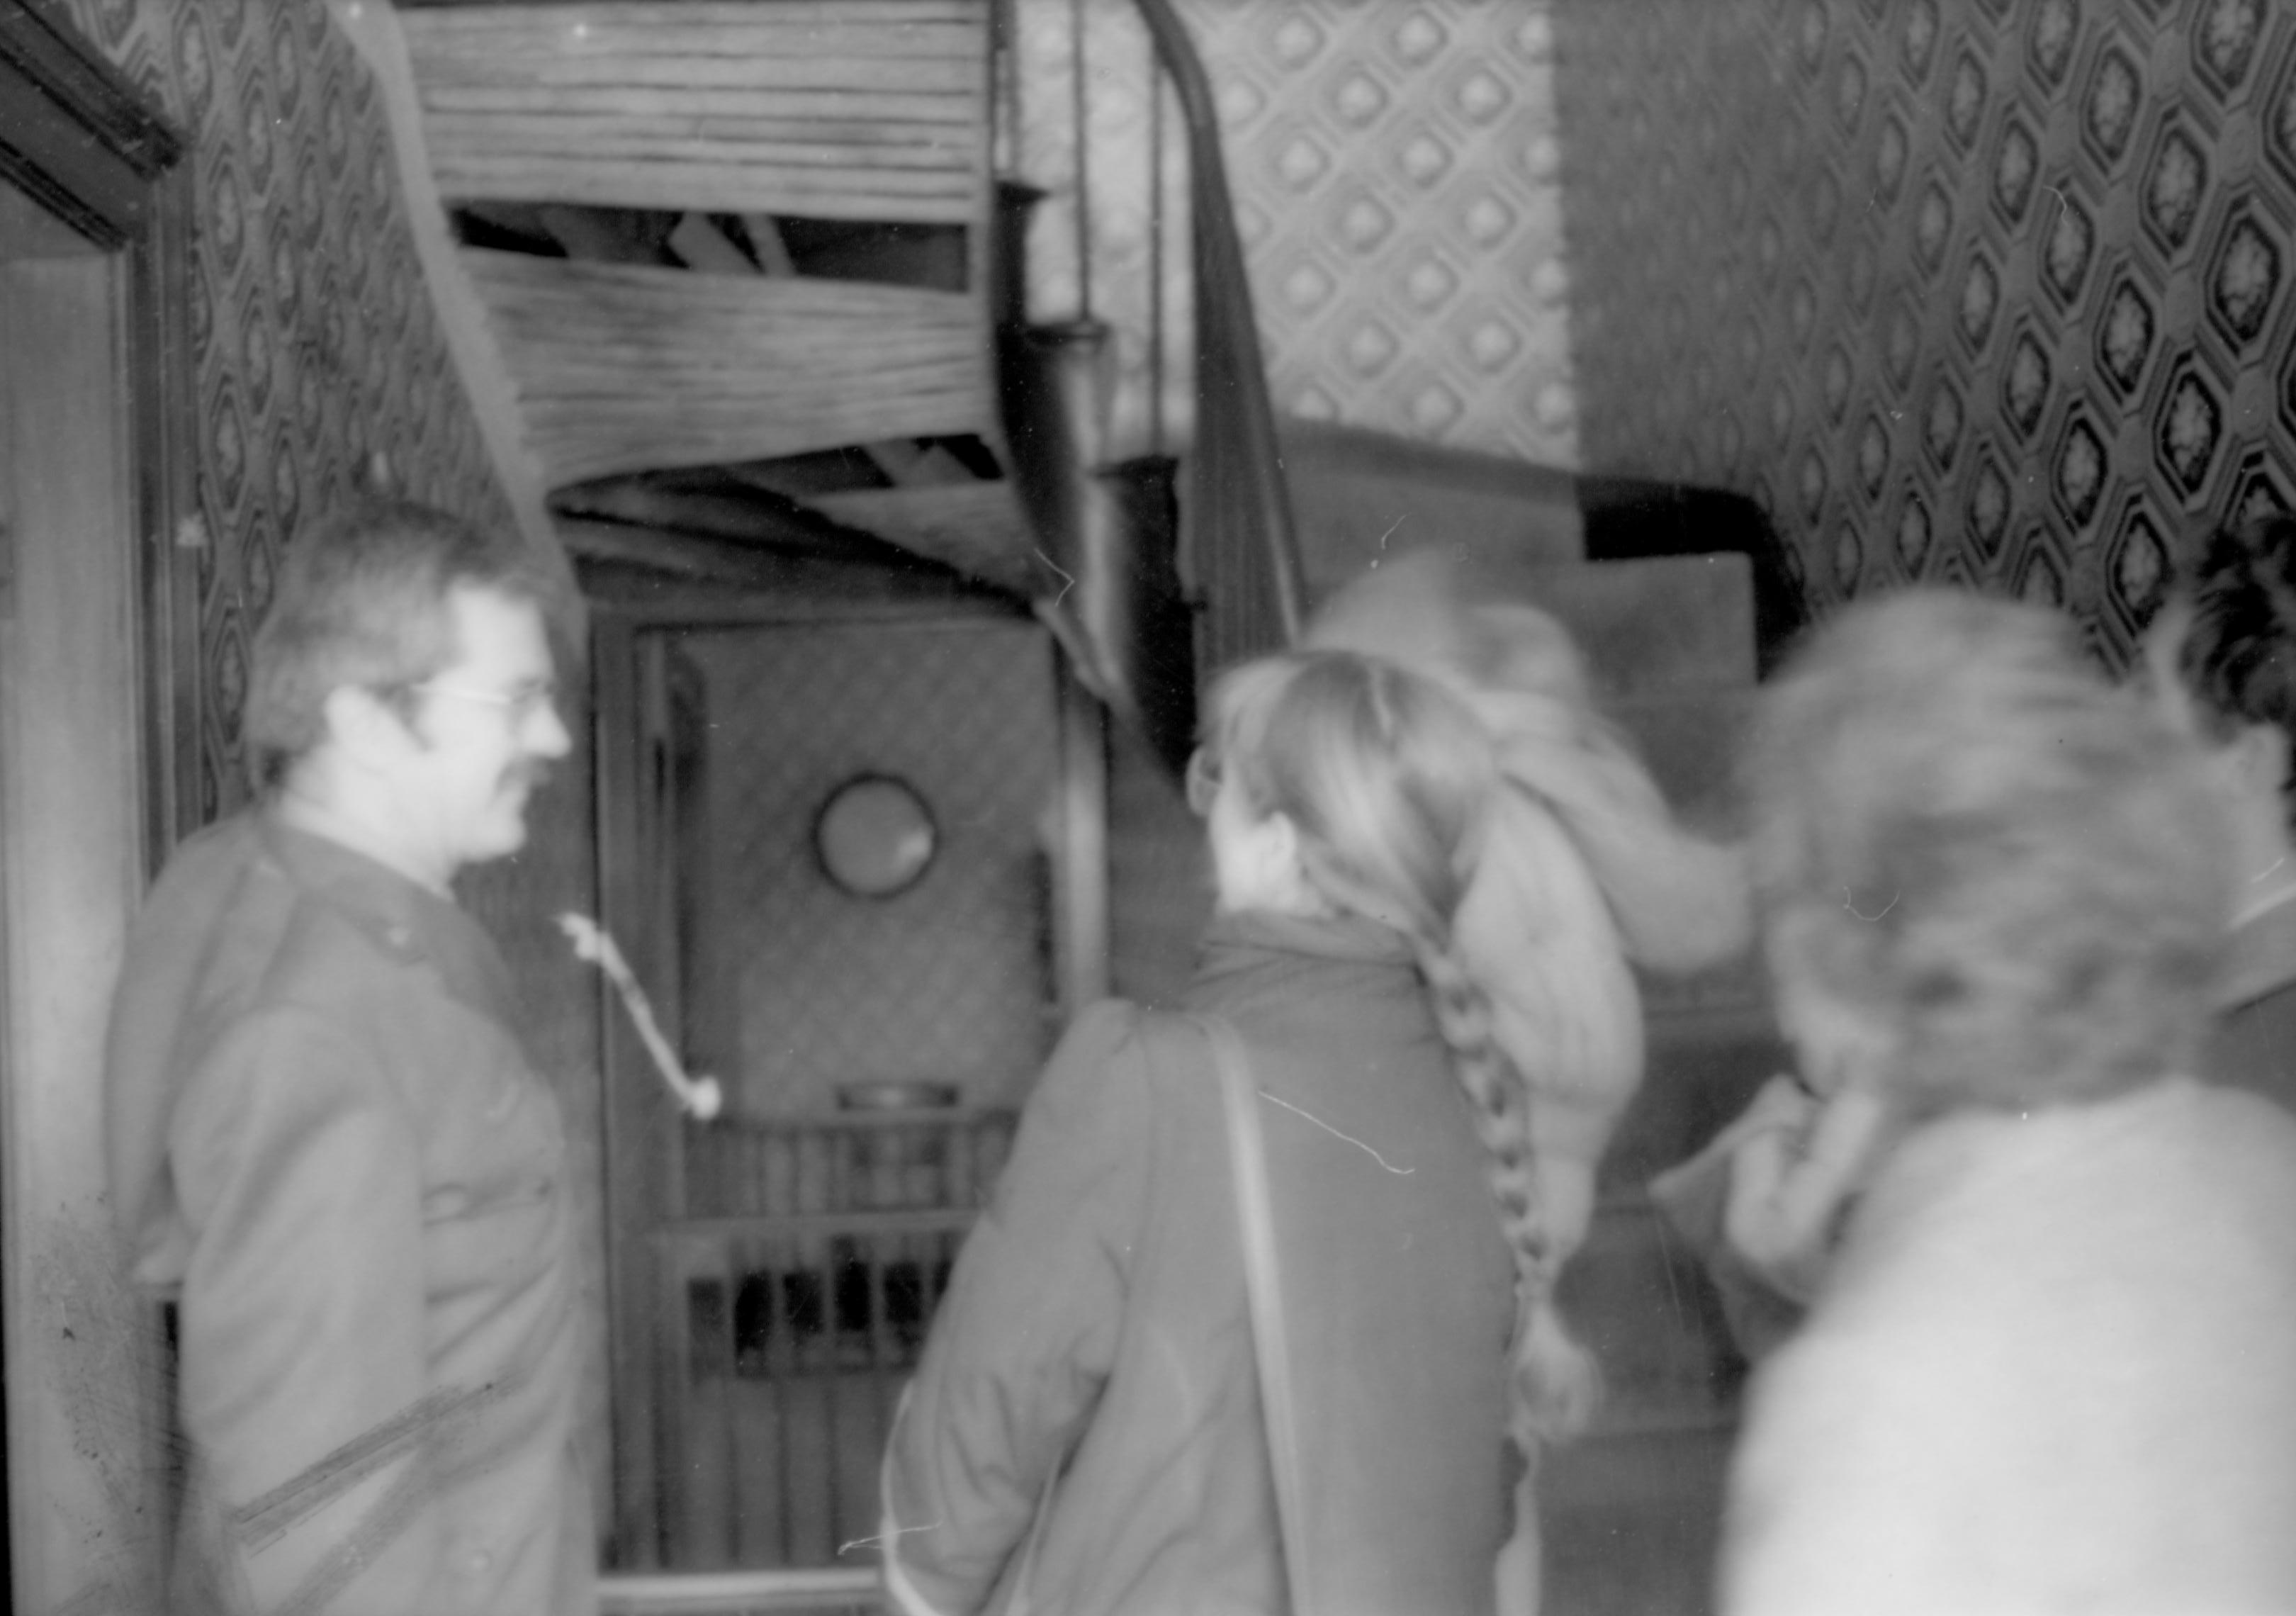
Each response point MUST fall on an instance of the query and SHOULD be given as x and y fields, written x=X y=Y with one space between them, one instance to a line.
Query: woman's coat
x=1084 y=1434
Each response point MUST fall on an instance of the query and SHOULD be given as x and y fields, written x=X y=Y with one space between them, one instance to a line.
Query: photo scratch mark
x=1384 y=538
x=899 y=1531
x=1336 y=1134
x=1067 y=582
x=1849 y=902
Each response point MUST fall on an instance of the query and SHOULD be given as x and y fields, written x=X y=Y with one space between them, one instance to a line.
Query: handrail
x=1244 y=544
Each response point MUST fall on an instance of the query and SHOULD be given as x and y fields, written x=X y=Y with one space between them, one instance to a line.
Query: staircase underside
x=725 y=234
x=976 y=529
x=630 y=367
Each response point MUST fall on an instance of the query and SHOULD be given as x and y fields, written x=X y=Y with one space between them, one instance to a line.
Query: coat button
x=481 y=1559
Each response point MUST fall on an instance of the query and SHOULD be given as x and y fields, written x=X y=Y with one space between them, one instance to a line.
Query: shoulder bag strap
x=1247 y=1159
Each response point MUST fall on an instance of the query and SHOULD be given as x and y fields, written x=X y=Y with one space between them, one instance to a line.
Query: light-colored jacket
x=2052 y=1369
x=327 y=1147
x=1084 y=1434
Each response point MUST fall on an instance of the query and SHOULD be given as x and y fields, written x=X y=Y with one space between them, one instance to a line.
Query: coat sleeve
x=303 y=1323
x=1027 y=1333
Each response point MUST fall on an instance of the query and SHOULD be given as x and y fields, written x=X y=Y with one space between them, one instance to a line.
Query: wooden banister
x=1242 y=544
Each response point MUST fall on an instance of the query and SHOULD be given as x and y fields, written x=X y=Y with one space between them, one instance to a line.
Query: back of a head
x=361 y=601
x=1965 y=831
x=1385 y=775
x=2237 y=656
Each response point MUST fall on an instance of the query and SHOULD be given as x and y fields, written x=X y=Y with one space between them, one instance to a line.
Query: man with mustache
x=328 y=1147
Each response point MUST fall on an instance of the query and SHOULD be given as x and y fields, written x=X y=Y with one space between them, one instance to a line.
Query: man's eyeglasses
x=519 y=705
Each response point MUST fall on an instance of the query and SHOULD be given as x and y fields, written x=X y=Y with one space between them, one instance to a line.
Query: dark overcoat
x=1084 y=1434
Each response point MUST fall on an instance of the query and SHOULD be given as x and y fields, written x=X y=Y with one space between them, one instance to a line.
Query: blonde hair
x=1385 y=776
x=2011 y=868
x=1438 y=762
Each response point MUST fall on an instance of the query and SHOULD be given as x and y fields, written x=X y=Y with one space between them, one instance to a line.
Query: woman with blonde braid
x=1085 y=1432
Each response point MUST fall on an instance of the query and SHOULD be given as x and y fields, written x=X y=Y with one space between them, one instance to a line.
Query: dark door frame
x=80 y=140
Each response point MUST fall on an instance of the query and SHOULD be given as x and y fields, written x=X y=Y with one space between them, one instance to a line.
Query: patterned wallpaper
x=950 y=980
x=1398 y=176
x=1992 y=290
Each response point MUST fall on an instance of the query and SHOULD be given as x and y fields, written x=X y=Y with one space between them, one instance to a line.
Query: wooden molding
x=79 y=139
x=74 y=133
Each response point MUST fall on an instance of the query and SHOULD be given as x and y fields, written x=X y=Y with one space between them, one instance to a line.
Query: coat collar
x=404 y=920
x=1244 y=956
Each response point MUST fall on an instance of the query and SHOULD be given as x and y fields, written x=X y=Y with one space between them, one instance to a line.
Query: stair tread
x=835 y=108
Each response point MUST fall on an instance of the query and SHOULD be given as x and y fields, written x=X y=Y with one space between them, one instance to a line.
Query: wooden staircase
x=658 y=169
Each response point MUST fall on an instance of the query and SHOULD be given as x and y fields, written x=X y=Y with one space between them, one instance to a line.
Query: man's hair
x=361 y=601
x=2237 y=656
x=1962 y=830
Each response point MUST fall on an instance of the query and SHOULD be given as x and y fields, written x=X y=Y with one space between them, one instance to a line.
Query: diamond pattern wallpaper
x=1985 y=290
x=947 y=982
x=1396 y=171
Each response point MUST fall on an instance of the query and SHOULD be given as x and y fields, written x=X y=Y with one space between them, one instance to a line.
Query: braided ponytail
x=1404 y=818
x=1442 y=763
x=1579 y=866
x=1555 y=1386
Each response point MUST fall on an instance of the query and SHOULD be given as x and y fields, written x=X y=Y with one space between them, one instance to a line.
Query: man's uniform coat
x=328 y=1148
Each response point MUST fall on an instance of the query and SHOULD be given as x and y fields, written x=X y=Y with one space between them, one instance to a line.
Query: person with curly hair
x=2050 y=1361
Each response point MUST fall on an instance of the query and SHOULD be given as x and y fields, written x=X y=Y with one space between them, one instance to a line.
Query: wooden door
x=772 y=1273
